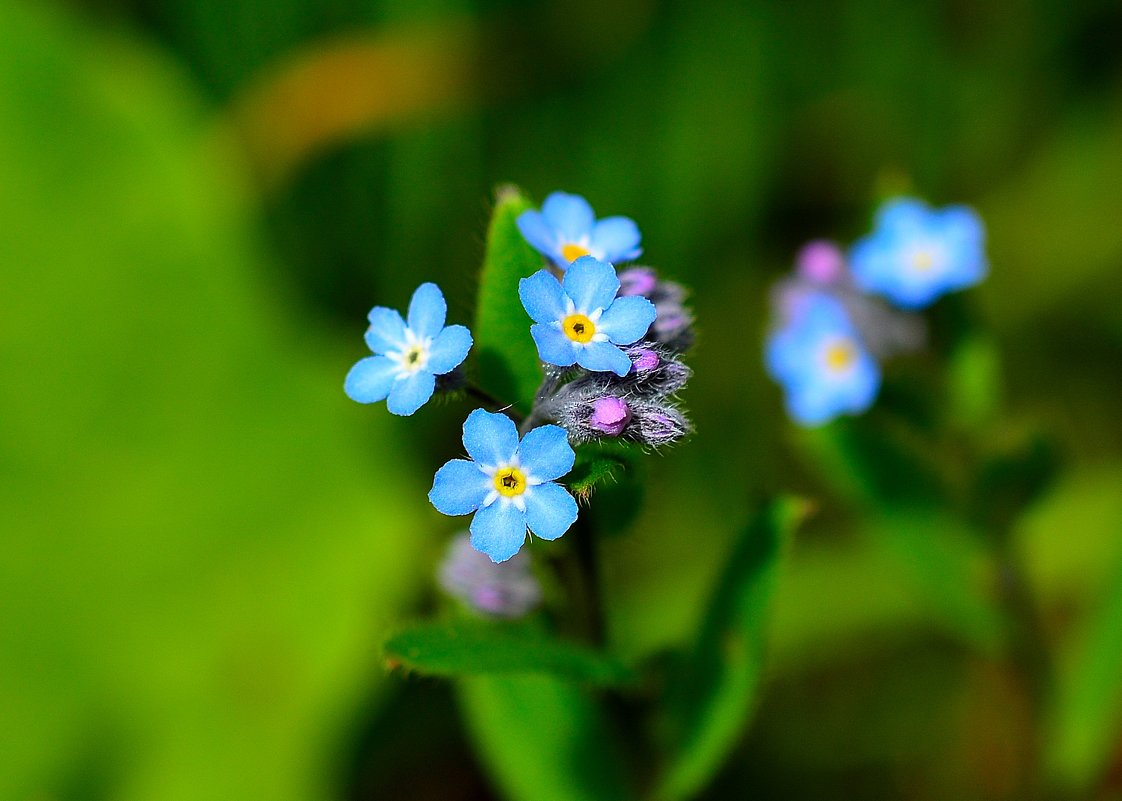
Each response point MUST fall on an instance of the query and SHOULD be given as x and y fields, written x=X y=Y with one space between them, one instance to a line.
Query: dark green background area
x=205 y=543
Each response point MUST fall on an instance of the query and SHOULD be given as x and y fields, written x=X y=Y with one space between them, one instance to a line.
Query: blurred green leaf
x=1086 y=719
x=906 y=505
x=203 y=538
x=871 y=464
x=543 y=739
x=945 y=560
x=477 y=647
x=710 y=700
x=505 y=353
x=974 y=381
x=1007 y=483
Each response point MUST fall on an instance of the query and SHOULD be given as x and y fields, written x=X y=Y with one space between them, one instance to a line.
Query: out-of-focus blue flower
x=566 y=229
x=508 y=484
x=916 y=254
x=408 y=357
x=819 y=359
x=582 y=321
x=509 y=590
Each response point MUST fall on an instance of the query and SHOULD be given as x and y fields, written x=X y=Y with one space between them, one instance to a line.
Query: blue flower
x=566 y=229
x=582 y=322
x=819 y=359
x=508 y=485
x=408 y=357
x=917 y=254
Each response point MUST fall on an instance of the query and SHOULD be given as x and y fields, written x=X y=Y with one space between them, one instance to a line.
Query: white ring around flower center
x=413 y=355
x=592 y=317
x=519 y=500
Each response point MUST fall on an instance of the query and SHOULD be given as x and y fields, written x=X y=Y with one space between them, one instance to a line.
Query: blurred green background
x=205 y=542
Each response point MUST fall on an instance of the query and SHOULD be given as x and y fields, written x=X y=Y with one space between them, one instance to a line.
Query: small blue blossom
x=508 y=484
x=566 y=229
x=916 y=254
x=821 y=362
x=582 y=321
x=408 y=357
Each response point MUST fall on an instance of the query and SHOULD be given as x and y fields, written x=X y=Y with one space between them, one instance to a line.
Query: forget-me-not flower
x=566 y=229
x=508 y=484
x=821 y=362
x=582 y=321
x=916 y=254
x=408 y=357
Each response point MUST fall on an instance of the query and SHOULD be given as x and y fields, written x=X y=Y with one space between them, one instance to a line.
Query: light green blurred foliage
x=204 y=540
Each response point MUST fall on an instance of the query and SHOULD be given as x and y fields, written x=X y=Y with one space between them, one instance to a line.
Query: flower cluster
x=834 y=320
x=610 y=346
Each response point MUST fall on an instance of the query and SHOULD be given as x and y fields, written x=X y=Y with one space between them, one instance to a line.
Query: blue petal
x=550 y=510
x=410 y=394
x=569 y=215
x=538 y=233
x=903 y=216
x=553 y=346
x=498 y=530
x=542 y=297
x=490 y=437
x=591 y=284
x=603 y=357
x=627 y=319
x=459 y=488
x=387 y=330
x=782 y=358
x=810 y=406
x=616 y=239
x=961 y=224
x=371 y=379
x=450 y=347
x=545 y=453
x=427 y=311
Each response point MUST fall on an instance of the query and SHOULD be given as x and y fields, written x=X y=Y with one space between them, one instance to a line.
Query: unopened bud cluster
x=638 y=407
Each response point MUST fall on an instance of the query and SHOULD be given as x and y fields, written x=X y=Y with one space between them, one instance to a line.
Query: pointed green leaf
x=479 y=647
x=1086 y=719
x=504 y=350
x=542 y=739
x=711 y=697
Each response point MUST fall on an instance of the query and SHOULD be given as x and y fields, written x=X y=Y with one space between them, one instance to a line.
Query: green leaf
x=477 y=647
x=1087 y=715
x=946 y=561
x=543 y=739
x=974 y=382
x=872 y=464
x=711 y=698
x=597 y=464
x=504 y=350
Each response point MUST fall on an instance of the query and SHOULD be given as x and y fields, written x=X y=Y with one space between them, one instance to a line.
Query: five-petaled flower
x=408 y=357
x=582 y=321
x=566 y=229
x=916 y=254
x=821 y=362
x=508 y=484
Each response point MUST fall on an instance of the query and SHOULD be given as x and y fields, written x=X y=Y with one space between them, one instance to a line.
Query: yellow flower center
x=578 y=328
x=573 y=252
x=840 y=355
x=922 y=261
x=510 y=481
x=414 y=358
